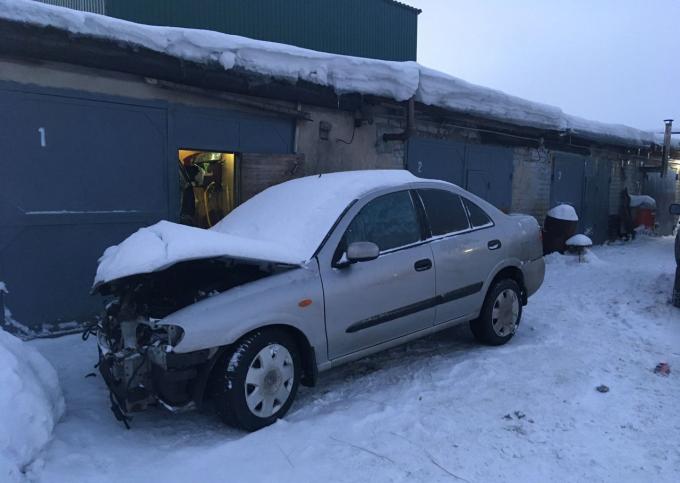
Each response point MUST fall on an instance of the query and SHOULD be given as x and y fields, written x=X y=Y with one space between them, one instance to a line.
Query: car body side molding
x=416 y=307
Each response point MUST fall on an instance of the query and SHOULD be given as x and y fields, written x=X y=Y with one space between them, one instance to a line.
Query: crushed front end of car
x=137 y=356
x=138 y=363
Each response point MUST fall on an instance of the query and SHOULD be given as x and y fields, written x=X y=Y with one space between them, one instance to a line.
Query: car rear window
x=444 y=210
x=389 y=221
x=478 y=217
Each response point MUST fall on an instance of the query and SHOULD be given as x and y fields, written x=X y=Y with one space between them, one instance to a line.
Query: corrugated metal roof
x=379 y=29
x=409 y=7
x=93 y=6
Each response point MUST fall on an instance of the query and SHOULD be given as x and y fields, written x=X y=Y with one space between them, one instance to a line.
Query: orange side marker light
x=304 y=303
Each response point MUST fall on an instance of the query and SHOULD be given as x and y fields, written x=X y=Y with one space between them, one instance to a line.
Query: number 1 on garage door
x=43 y=140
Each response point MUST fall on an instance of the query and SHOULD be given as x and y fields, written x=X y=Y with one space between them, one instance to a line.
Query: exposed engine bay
x=136 y=350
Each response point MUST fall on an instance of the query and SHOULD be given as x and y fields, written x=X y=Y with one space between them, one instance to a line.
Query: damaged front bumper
x=142 y=370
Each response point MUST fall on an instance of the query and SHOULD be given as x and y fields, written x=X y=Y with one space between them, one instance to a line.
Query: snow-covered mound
x=31 y=403
x=642 y=201
x=579 y=241
x=563 y=212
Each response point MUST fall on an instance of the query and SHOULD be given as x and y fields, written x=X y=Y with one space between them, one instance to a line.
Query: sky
x=609 y=60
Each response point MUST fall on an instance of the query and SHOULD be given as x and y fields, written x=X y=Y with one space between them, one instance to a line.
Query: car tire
x=500 y=315
x=255 y=383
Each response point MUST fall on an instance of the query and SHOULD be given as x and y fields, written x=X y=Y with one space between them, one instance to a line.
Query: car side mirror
x=674 y=209
x=362 y=252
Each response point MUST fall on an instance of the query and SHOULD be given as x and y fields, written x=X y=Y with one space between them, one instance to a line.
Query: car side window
x=389 y=221
x=478 y=217
x=444 y=210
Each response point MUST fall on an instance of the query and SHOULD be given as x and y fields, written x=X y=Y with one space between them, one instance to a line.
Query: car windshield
x=298 y=214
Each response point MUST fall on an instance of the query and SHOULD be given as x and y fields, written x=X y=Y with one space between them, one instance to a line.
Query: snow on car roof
x=285 y=223
x=345 y=74
x=297 y=215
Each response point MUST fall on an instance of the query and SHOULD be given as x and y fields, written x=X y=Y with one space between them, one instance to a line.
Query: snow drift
x=345 y=74
x=31 y=403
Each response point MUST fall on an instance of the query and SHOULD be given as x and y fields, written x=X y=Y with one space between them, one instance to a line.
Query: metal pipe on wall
x=666 y=146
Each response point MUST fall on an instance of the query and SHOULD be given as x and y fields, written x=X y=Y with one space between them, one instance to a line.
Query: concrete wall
x=95 y=81
x=347 y=147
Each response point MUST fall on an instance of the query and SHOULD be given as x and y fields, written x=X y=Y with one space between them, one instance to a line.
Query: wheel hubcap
x=269 y=380
x=505 y=313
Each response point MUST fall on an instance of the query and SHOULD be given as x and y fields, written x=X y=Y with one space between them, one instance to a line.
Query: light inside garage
x=207 y=186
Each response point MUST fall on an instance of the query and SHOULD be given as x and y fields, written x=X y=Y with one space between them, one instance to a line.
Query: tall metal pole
x=666 y=146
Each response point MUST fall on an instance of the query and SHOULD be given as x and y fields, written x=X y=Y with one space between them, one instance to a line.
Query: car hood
x=164 y=244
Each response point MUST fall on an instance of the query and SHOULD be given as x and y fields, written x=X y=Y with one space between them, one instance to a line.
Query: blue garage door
x=489 y=174
x=80 y=173
x=484 y=170
x=583 y=182
x=77 y=176
x=596 y=199
x=567 y=181
x=437 y=159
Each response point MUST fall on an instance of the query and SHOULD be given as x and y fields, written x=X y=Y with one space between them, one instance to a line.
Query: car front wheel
x=500 y=315
x=256 y=382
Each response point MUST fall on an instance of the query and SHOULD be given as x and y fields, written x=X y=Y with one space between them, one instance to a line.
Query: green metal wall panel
x=381 y=29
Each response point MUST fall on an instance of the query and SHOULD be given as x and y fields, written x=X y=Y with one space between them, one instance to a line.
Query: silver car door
x=466 y=249
x=382 y=299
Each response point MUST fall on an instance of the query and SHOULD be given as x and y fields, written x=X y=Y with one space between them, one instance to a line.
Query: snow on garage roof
x=283 y=224
x=345 y=74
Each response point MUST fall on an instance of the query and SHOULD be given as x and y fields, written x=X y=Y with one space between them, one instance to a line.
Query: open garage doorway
x=207 y=186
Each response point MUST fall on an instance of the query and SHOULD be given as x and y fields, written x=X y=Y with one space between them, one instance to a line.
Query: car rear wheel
x=255 y=383
x=500 y=315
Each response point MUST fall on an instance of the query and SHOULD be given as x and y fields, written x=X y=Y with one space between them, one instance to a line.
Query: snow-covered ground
x=439 y=409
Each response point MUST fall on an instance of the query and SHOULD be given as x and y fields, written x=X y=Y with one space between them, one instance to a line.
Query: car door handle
x=494 y=244
x=422 y=265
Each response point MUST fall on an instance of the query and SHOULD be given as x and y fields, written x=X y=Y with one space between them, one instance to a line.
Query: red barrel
x=645 y=217
x=560 y=224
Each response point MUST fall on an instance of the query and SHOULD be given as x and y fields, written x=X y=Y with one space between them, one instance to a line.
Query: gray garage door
x=596 y=199
x=77 y=175
x=583 y=183
x=482 y=169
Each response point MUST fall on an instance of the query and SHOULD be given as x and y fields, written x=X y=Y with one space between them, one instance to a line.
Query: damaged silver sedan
x=305 y=276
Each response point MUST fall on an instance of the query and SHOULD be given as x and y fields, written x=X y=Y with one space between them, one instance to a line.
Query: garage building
x=103 y=134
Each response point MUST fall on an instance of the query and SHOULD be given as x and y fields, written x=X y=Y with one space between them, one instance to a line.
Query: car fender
x=291 y=298
x=501 y=265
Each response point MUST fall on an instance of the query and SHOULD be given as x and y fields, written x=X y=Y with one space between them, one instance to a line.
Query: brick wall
x=531 y=182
